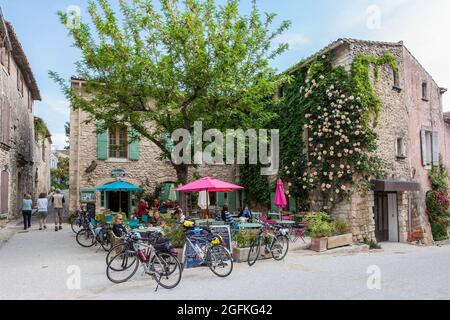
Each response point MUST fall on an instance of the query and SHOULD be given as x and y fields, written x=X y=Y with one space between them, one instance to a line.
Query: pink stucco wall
x=426 y=115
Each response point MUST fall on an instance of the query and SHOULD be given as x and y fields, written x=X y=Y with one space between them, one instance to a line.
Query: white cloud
x=58 y=105
x=292 y=39
x=59 y=140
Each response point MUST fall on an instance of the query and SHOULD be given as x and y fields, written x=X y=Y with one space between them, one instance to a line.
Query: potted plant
x=341 y=235
x=320 y=228
x=243 y=240
x=176 y=235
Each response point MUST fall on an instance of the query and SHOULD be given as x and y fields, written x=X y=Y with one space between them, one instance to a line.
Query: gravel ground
x=34 y=265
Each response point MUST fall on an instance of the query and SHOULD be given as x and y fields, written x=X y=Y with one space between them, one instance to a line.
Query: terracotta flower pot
x=319 y=244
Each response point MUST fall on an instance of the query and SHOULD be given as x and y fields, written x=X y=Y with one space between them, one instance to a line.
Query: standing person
x=42 y=205
x=58 y=206
x=143 y=209
x=26 y=211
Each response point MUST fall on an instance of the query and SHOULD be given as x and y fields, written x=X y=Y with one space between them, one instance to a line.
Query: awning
x=395 y=186
x=119 y=186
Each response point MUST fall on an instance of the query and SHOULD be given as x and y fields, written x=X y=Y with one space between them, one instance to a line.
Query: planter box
x=180 y=254
x=340 y=241
x=241 y=255
x=319 y=244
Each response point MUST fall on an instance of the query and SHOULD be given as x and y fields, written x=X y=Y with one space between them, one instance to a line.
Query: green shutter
x=134 y=145
x=102 y=144
x=232 y=201
x=292 y=205
x=221 y=199
x=165 y=192
x=273 y=207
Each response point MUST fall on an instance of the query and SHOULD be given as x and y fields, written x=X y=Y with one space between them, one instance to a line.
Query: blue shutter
x=102 y=143
x=134 y=145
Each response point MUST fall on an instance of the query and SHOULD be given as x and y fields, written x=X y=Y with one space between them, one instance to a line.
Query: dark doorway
x=381 y=216
x=118 y=201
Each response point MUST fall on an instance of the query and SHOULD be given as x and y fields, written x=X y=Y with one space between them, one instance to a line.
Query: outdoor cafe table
x=202 y=222
x=147 y=230
x=285 y=222
x=250 y=226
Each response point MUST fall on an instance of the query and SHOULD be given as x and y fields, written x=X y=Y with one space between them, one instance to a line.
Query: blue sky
x=422 y=24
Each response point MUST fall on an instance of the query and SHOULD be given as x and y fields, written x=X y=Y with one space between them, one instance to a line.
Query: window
x=430 y=148
x=5 y=56
x=425 y=91
x=396 y=80
x=19 y=81
x=43 y=150
x=118 y=143
x=30 y=101
x=400 y=148
x=6 y=123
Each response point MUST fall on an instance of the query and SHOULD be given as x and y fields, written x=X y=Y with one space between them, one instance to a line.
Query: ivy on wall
x=326 y=119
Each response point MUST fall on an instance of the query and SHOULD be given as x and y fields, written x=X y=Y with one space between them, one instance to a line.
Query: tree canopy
x=175 y=62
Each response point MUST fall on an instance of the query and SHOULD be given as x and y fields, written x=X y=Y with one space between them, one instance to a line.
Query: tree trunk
x=182 y=176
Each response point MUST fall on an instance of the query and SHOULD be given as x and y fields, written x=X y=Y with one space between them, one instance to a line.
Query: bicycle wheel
x=280 y=247
x=106 y=243
x=219 y=260
x=166 y=270
x=122 y=267
x=76 y=225
x=115 y=250
x=85 y=238
x=255 y=249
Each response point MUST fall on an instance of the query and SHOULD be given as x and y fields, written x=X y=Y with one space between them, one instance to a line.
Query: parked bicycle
x=95 y=235
x=156 y=260
x=206 y=248
x=273 y=238
x=80 y=222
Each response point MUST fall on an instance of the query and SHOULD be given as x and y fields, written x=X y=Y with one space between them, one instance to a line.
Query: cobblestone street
x=34 y=265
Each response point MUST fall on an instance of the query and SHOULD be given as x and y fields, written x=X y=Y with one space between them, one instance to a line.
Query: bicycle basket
x=162 y=244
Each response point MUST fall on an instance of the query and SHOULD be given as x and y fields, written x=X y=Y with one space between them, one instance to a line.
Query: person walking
x=42 y=205
x=26 y=211
x=58 y=207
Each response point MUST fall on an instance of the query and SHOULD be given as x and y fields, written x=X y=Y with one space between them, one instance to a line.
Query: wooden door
x=381 y=216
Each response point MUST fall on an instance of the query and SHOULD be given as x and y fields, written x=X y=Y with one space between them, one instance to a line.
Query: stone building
x=18 y=93
x=412 y=134
x=42 y=163
x=99 y=159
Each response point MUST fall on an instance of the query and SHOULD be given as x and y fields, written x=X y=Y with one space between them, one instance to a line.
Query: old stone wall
x=149 y=171
x=16 y=157
x=42 y=167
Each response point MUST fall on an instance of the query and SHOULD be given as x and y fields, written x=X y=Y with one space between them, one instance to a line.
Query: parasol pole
x=207 y=206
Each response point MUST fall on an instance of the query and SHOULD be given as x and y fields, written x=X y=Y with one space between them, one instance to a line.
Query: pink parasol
x=209 y=185
x=280 y=197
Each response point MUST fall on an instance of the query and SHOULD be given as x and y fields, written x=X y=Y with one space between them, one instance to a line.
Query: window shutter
x=435 y=148
x=6 y=123
x=292 y=205
x=220 y=199
x=273 y=207
x=102 y=143
x=5 y=192
x=232 y=201
x=423 y=142
x=134 y=145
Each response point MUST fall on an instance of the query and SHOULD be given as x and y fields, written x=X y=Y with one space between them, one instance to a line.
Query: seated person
x=180 y=216
x=246 y=215
x=226 y=215
x=119 y=229
x=156 y=220
x=163 y=208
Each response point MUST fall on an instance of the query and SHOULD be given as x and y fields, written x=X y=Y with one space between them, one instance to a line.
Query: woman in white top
x=42 y=205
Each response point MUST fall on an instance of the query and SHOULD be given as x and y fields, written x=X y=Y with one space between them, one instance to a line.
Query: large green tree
x=193 y=59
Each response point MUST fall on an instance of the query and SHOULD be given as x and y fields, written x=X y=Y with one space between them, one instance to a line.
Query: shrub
x=340 y=227
x=175 y=233
x=319 y=225
x=244 y=238
x=372 y=244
